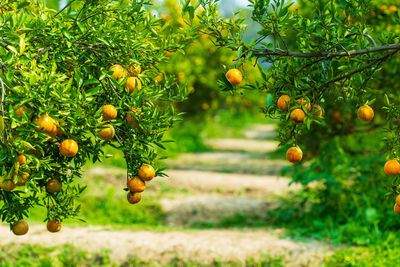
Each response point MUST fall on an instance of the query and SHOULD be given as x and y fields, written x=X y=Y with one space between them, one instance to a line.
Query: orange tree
x=72 y=82
x=199 y=67
x=330 y=82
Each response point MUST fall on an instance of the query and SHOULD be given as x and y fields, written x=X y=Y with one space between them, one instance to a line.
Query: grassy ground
x=34 y=256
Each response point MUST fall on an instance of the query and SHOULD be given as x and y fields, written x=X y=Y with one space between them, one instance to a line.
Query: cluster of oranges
x=21 y=227
x=67 y=148
x=392 y=167
x=297 y=115
x=70 y=148
x=137 y=184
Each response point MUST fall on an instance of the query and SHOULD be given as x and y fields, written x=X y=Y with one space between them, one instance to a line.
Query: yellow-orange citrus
x=21 y=159
x=297 y=115
x=136 y=184
x=392 y=167
x=53 y=186
x=234 y=76
x=69 y=148
x=7 y=185
x=20 y=228
x=135 y=69
x=19 y=112
x=54 y=226
x=396 y=208
x=306 y=104
x=131 y=119
x=158 y=78
x=133 y=84
x=317 y=110
x=283 y=102
x=134 y=197
x=336 y=116
x=22 y=179
x=118 y=71
x=46 y=123
x=365 y=113
x=109 y=112
x=107 y=133
x=398 y=200
x=294 y=154
x=146 y=172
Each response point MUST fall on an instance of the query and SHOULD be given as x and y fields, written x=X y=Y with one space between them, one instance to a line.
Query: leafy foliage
x=337 y=55
x=57 y=64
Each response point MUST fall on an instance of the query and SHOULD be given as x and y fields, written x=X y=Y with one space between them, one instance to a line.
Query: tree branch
x=349 y=53
x=58 y=13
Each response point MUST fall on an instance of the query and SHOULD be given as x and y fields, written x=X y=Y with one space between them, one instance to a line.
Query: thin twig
x=349 y=53
x=63 y=9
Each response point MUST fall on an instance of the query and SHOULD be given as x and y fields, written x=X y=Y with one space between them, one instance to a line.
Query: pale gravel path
x=242 y=145
x=185 y=211
x=201 y=246
x=207 y=182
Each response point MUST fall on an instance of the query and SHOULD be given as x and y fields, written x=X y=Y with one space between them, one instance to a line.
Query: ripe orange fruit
x=294 y=154
x=22 y=179
x=118 y=71
x=109 y=112
x=392 y=167
x=234 y=76
x=107 y=133
x=336 y=116
x=54 y=226
x=8 y=185
x=297 y=115
x=392 y=9
x=181 y=76
x=136 y=184
x=396 y=208
x=133 y=83
x=135 y=69
x=131 y=119
x=21 y=159
x=147 y=172
x=283 y=102
x=365 y=113
x=398 y=200
x=20 y=228
x=159 y=78
x=46 y=123
x=383 y=8
x=69 y=148
x=134 y=197
x=19 y=112
x=317 y=110
x=54 y=186
x=306 y=104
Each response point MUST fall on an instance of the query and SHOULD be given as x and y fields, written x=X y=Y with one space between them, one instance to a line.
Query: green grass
x=385 y=253
x=68 y=256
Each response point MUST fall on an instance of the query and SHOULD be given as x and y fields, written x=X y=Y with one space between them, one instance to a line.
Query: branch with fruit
x=318 y=64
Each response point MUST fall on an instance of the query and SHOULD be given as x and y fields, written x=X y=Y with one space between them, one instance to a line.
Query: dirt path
x=198 y=246
x=210 y=196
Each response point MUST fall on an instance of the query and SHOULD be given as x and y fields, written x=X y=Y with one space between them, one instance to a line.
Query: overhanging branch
x=349 y=53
